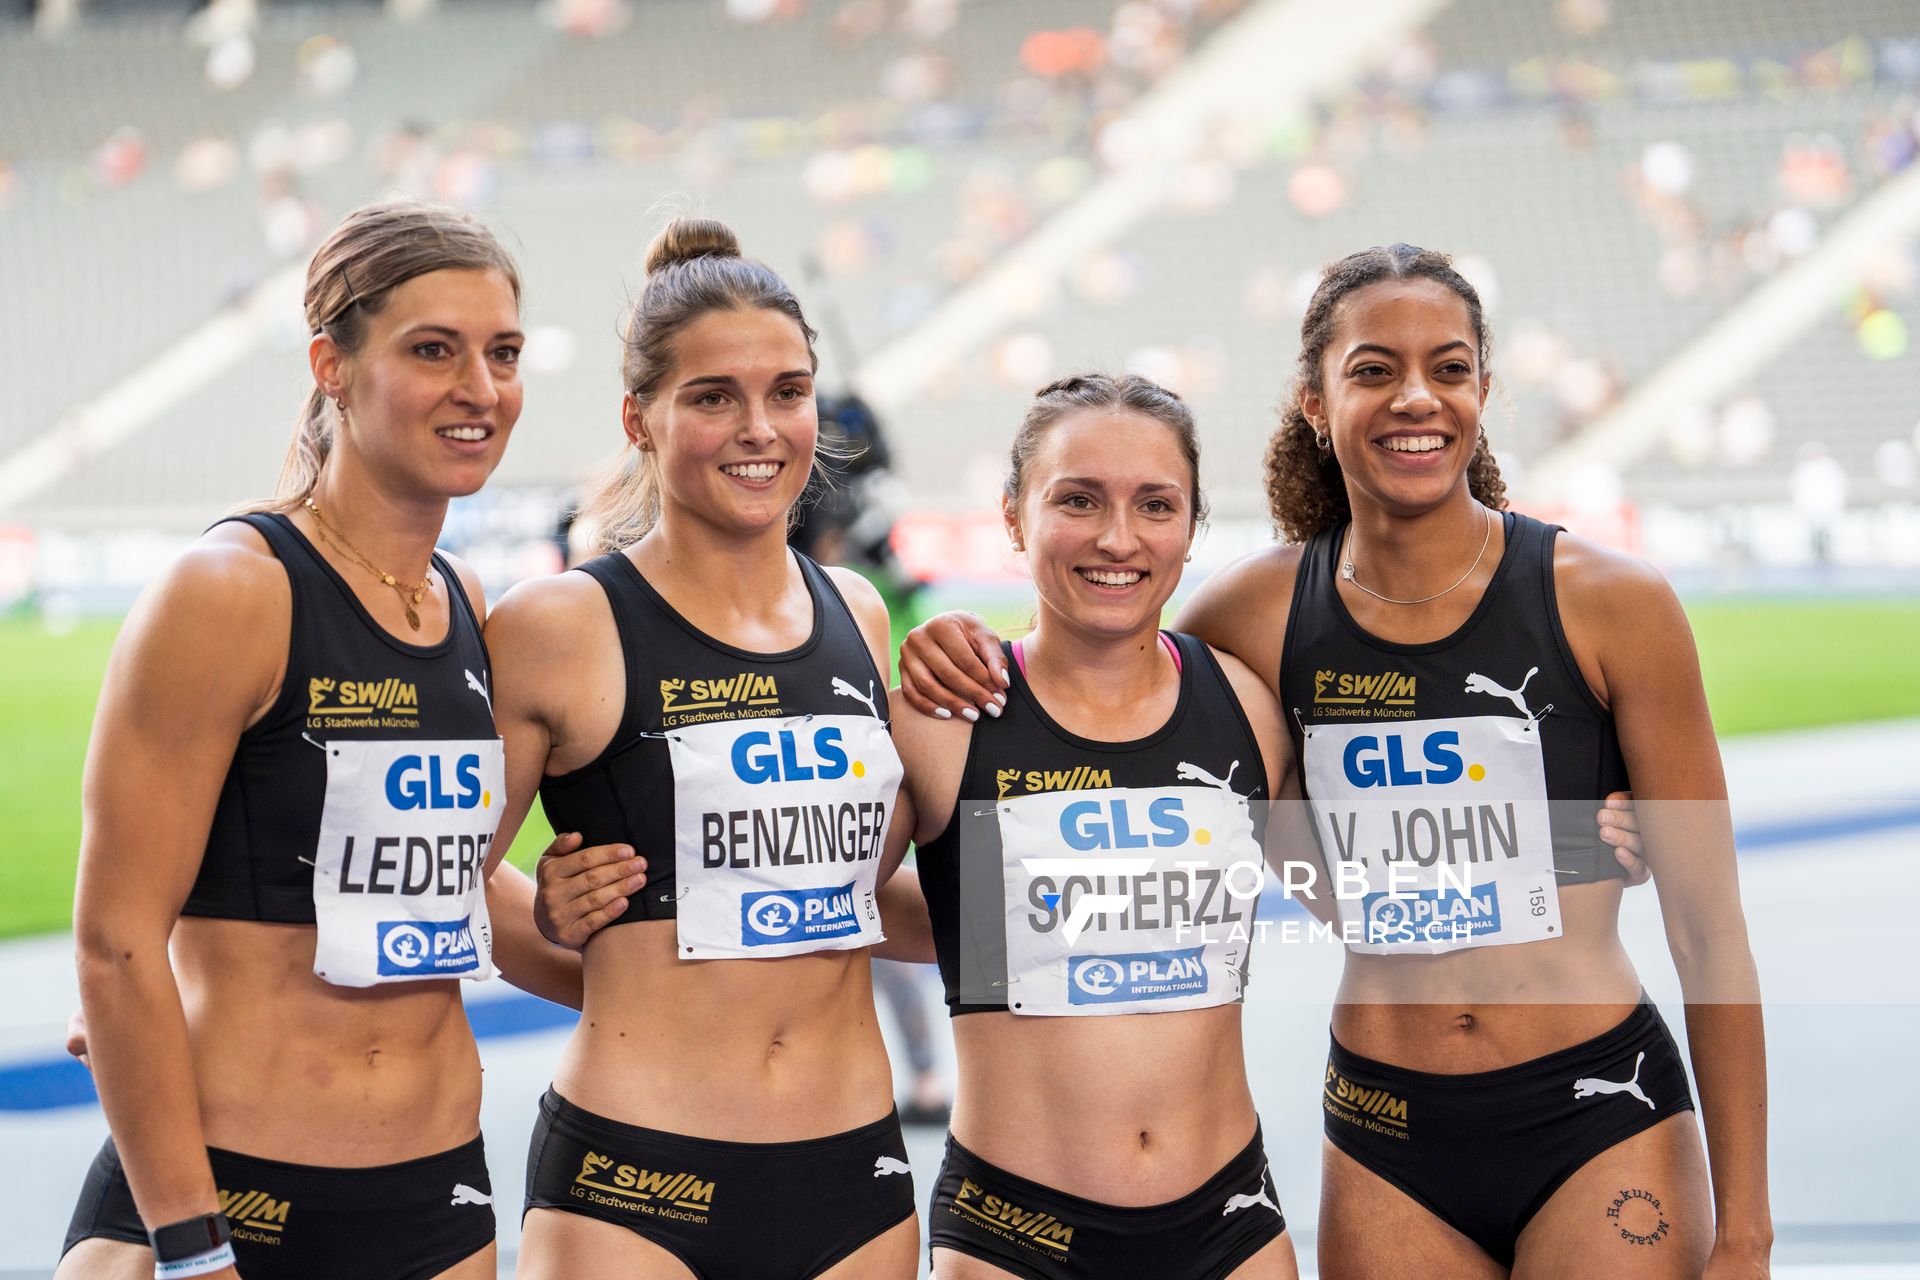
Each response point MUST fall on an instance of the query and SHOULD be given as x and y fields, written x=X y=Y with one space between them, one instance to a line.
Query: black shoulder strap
x=297 y=560
x=615 y=580
x=1196 y=654
x=275 y=528
x=1306 y=580
x=821 y=584
x=462 y=602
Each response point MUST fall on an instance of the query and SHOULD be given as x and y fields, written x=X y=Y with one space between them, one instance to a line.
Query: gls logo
x=408 y=789
x=1368 y=764
x=1084 y=828
x=760 y=756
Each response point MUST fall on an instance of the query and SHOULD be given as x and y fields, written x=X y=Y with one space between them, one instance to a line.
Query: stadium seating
x=1612 y=211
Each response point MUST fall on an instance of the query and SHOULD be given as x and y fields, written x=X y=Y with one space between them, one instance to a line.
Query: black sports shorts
x=728 y=1210
x=407 y=1221
x=1483 y=1152
x=1042 y=1234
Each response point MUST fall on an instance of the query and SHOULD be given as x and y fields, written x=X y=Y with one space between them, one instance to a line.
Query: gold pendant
x=413 y=619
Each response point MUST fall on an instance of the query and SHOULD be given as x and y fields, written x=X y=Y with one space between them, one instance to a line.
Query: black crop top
x=1509 y=658
x=679 y=677
x=1026 y=752
x=348 y=679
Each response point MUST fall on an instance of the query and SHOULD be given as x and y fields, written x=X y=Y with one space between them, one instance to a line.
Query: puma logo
x=1259 y=1196
x=1480 y=684
x=1005 y=778
x=1321 y=679
x=464 y=1194
x=593 y=1164
x=1194 y=773
x=846 y=690
x=479 y=686
x=1587 y=1088
x=884 y=1165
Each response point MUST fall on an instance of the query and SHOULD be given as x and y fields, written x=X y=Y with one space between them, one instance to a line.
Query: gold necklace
x=409 y=596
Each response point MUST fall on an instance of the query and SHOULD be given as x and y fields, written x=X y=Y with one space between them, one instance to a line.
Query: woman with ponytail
x=291 y=799
x=1461 y=683
x=702 y=694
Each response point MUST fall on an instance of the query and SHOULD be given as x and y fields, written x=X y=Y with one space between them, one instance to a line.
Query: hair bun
x=685 y=239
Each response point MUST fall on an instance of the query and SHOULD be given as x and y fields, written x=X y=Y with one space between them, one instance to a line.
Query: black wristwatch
x=189 y=1238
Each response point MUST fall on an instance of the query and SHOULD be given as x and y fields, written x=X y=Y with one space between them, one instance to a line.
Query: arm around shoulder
x=1243 y=608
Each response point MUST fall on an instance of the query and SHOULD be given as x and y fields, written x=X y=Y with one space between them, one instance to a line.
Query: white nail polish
x=1000 y=698
x=969 y=713
x=1002 y=673
x=993 y=709
x=943 y=713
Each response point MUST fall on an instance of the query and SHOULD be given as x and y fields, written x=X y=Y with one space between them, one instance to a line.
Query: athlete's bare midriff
x=775 y=1050
x=1483 y=1008
x=1131 y=1109
x=289 y=1067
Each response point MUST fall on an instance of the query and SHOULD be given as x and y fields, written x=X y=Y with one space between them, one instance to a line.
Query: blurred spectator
x=1819 y=486
x=1813 y=171
x=230 y=61
x=1894 y=463
x=588 y=19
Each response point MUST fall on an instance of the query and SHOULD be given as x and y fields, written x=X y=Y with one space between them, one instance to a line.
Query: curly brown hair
x=1306 y=491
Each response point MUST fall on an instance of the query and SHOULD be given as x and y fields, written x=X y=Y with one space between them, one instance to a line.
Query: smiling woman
x=711 y=287
x=1305 y=490
x=257 y=818
x=1103 y=1088
x=712 y=699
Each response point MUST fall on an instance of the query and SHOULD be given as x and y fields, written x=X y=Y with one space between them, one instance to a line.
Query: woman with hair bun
x=291 y=797
x=717 y=702
x=1461 y=684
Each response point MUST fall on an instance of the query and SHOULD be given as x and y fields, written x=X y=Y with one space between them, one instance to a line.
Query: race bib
x=399 y=880
x=1127 y=899
x=1436 y=832
x=779 y=825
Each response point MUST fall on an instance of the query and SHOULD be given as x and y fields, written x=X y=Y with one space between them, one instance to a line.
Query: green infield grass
x=1769 y=665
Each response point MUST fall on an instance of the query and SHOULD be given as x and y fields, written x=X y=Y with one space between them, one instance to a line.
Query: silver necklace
x=1346 y=567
